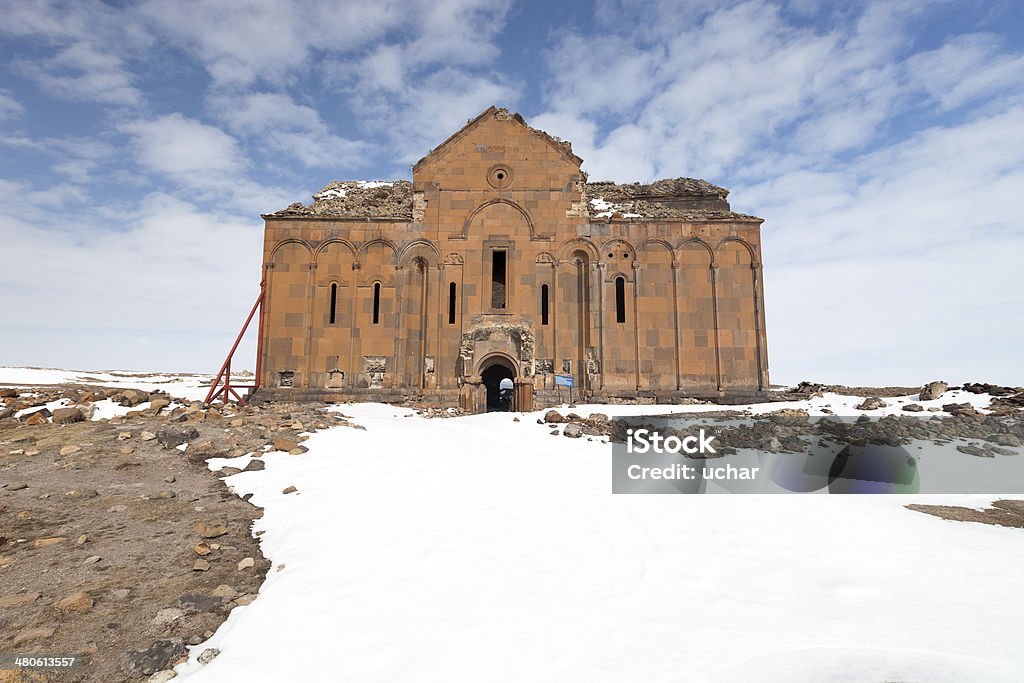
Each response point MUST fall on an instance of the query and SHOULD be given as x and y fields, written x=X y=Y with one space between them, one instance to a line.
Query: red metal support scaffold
x=227 y=391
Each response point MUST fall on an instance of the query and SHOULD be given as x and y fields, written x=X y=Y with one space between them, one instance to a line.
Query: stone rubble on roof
x=358 y=199
x=394 y=199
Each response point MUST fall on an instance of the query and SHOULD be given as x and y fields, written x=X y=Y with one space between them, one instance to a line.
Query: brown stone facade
x=500 y=259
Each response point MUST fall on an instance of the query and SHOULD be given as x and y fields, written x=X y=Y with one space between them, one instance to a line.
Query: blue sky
x=882 y=141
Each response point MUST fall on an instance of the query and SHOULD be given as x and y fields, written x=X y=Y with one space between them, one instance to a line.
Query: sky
x=882 y=141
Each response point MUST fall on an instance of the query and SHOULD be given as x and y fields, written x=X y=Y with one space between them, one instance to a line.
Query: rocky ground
x=116 y=541
x=119 y=544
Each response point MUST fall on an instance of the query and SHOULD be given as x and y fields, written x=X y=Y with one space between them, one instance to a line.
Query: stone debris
x=76 y=602
x=290 y=489
x=65 y=416
x=932 y=391
x=208 y=655
x=30 y=634
x=210 y=531
x=18 y=600
x=872 y=403
x=358 y=199
x=678 y=198
x=155 y=658
x=246 y=563
x=168 y=615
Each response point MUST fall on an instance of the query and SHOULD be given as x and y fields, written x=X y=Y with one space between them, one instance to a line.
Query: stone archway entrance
x=495 y=369
x=489 y=352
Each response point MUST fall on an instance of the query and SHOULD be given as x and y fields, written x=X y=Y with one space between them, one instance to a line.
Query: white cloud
x=83 y=72
x=275 y=122
x=967 y=68
x=10 y=108
x=92 y=43
x=124 y=289
x=186 y=150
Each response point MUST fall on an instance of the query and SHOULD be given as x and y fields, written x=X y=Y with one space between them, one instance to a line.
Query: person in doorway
x=505 y=389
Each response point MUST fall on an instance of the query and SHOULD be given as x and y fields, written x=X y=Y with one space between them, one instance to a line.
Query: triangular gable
x=563 y=148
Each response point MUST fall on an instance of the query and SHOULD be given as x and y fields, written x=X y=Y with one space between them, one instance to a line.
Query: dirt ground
x=102 y=527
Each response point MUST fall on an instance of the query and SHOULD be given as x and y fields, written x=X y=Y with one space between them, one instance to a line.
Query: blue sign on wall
x=563 y=380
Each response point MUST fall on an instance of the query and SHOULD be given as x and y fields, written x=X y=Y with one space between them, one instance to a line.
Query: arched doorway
x=495 y=369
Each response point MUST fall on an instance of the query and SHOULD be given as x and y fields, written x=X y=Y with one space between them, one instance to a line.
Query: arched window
x=620 y=299
x=334 y=301
x=451 y=303
x=543 y=304
x=376 y=303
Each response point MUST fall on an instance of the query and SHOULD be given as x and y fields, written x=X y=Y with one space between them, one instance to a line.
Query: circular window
x=499 y=177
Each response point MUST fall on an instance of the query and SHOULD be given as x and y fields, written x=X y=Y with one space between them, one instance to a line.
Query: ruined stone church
x=500 y=260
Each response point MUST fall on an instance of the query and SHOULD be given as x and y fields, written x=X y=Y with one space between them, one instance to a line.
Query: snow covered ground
x=192 y=387
x=483 y=549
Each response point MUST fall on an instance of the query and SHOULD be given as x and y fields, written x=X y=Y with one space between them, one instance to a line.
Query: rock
x=127 y=450
x=20 y=486
x=158 y=404
x=163 y=495
x=872 y=403
x=201 y=566
x=201 y=549
x=18 y=600
x=290 y=489
x=120 y=594
x=208 y=531
x=168 y=615
x=131 y=397
x=515 y=419
x=974 y=450
x=201 y=603
x=84 y=538
x=913 y=408
x=117 y=508
x=92 y=559
x=246 y=563
x=255 y=465
x=960 y=409
x=43 y=542
x=172 y=437
x=36 y=419
x=162 y=676
x=7 y=392
x=225 y=591
x=208 y=655
x=70 y=449
x=553 y=417
x=932 y=391
x=287 y=445
x=155 y=658
x=246 y=599
x=76 y=602
x=1007 y=440
x=122 y=436
x=147 y=436
x=41 y=412
x=169 y=478
x=30 y=634
x=228 y=471
x=66 y=416
x=573 y=431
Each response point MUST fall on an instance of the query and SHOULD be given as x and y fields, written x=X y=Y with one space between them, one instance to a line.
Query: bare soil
x=121 y=527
